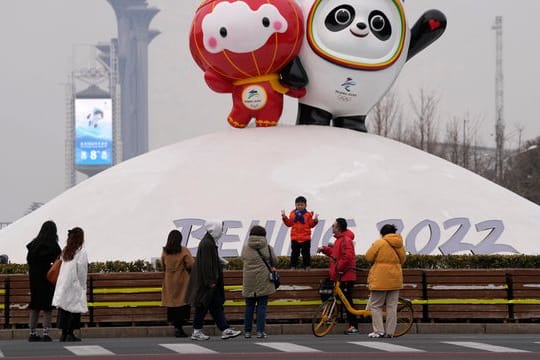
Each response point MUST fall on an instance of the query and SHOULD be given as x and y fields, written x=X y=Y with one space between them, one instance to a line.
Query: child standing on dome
x=301 y=222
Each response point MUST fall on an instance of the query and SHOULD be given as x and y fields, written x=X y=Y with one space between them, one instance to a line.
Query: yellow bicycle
x=325 y=318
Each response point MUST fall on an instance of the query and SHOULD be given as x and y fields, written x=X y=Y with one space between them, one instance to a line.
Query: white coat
x=70 y=292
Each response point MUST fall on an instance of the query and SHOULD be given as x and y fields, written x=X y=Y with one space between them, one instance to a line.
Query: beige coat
x=256 y=276
x=176 y=268
x=386 y=256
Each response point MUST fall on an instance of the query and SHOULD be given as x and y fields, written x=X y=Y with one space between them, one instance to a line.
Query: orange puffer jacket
x=386 y=256
x=300 y=232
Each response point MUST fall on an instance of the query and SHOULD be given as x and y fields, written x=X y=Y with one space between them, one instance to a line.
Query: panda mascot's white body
x=353 y=53
x=352 y=69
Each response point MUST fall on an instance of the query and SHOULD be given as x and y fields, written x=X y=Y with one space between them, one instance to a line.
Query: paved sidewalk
x=284 y=329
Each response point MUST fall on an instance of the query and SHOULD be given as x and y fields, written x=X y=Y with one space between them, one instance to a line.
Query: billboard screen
x=93 y=132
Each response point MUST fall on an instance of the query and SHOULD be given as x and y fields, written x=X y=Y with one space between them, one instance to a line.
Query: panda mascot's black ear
x=426 y=30
x=293 y=74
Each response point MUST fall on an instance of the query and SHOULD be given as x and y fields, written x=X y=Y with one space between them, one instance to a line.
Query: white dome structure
x=248 y=176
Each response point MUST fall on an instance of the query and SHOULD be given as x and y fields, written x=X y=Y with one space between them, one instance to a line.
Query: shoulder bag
x=274 y=275
x=52 y=274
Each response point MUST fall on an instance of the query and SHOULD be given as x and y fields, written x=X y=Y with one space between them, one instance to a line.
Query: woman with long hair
x=42 y=251
x=177 y=263
x=70 y=293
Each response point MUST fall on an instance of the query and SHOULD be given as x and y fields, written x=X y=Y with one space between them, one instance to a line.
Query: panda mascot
x=352 y=53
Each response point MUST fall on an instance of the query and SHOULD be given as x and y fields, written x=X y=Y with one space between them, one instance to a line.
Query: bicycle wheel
x=324 y=319
x=405 y=317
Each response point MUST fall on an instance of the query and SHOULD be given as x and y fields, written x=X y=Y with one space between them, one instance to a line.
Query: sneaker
x=261 y=335
x=199 y=335
x=247 y=335
x=34 y=337
x=230 y=333
x=46 y=338
x=376 y=335
x=351 y=330
x=388 y=336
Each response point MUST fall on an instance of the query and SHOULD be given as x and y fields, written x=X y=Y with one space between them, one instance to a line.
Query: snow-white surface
x=252 y=174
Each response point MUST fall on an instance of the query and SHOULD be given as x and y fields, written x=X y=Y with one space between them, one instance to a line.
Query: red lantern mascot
x=242 y=45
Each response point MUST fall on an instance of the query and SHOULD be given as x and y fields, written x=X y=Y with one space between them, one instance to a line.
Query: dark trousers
x=347 y=288
x=177 y=316
x=300 y=247
x=68 y=321
x=216 y=310
x=259 y=303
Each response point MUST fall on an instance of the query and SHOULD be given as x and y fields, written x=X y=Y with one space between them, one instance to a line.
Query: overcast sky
x=40 y=37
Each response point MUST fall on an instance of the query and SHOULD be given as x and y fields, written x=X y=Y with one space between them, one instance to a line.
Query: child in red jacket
x=301 y=221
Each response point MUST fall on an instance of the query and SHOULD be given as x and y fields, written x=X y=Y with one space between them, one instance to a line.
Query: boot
x=179 y=332
x=63 y=336
x=71 y=337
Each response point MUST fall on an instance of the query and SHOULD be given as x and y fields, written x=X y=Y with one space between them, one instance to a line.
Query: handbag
x=52 y=274
x=274 y=275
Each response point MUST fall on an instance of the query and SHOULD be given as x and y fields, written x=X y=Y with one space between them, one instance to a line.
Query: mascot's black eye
x=377 y=23
x=339 y=18
x=266 y=22
x=380 y=26
x=343 y=16
x=223 y=32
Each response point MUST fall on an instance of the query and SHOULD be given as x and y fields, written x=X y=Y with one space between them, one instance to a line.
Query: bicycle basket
x=326 y=289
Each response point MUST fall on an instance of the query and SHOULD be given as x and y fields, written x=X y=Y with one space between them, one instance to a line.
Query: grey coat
x=256 y=276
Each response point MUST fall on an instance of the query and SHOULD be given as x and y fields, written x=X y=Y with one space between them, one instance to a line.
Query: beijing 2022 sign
x=423 y=237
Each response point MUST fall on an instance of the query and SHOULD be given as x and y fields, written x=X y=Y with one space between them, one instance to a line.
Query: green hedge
x=317 y=262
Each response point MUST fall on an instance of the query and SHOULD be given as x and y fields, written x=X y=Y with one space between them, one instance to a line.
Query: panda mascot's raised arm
x=425 y=31
x=352 y=53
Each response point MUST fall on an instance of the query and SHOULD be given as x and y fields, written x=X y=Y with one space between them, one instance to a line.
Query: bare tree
x=519 y=130
x=452 y=140
x=33 y=207
x=461 y=143
x=522 y=171
x=425 y=123
x=385 y=115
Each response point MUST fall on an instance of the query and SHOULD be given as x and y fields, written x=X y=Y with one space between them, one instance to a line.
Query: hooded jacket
x=343 y=256
x=386 y=256
x=256 y=276
x=206 y=280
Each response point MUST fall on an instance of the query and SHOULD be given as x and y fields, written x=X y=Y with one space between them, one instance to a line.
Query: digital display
x=93 y=132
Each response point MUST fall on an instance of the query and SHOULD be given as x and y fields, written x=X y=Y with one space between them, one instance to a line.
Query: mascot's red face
x=240 y=39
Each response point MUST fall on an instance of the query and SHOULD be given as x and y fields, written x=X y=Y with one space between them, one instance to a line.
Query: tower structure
x=92 y=83
x=133 y=18
x=70 y=178
x=499 y=99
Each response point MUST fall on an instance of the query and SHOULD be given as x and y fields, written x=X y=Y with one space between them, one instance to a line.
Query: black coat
x=41 y=254
x=206 y=271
